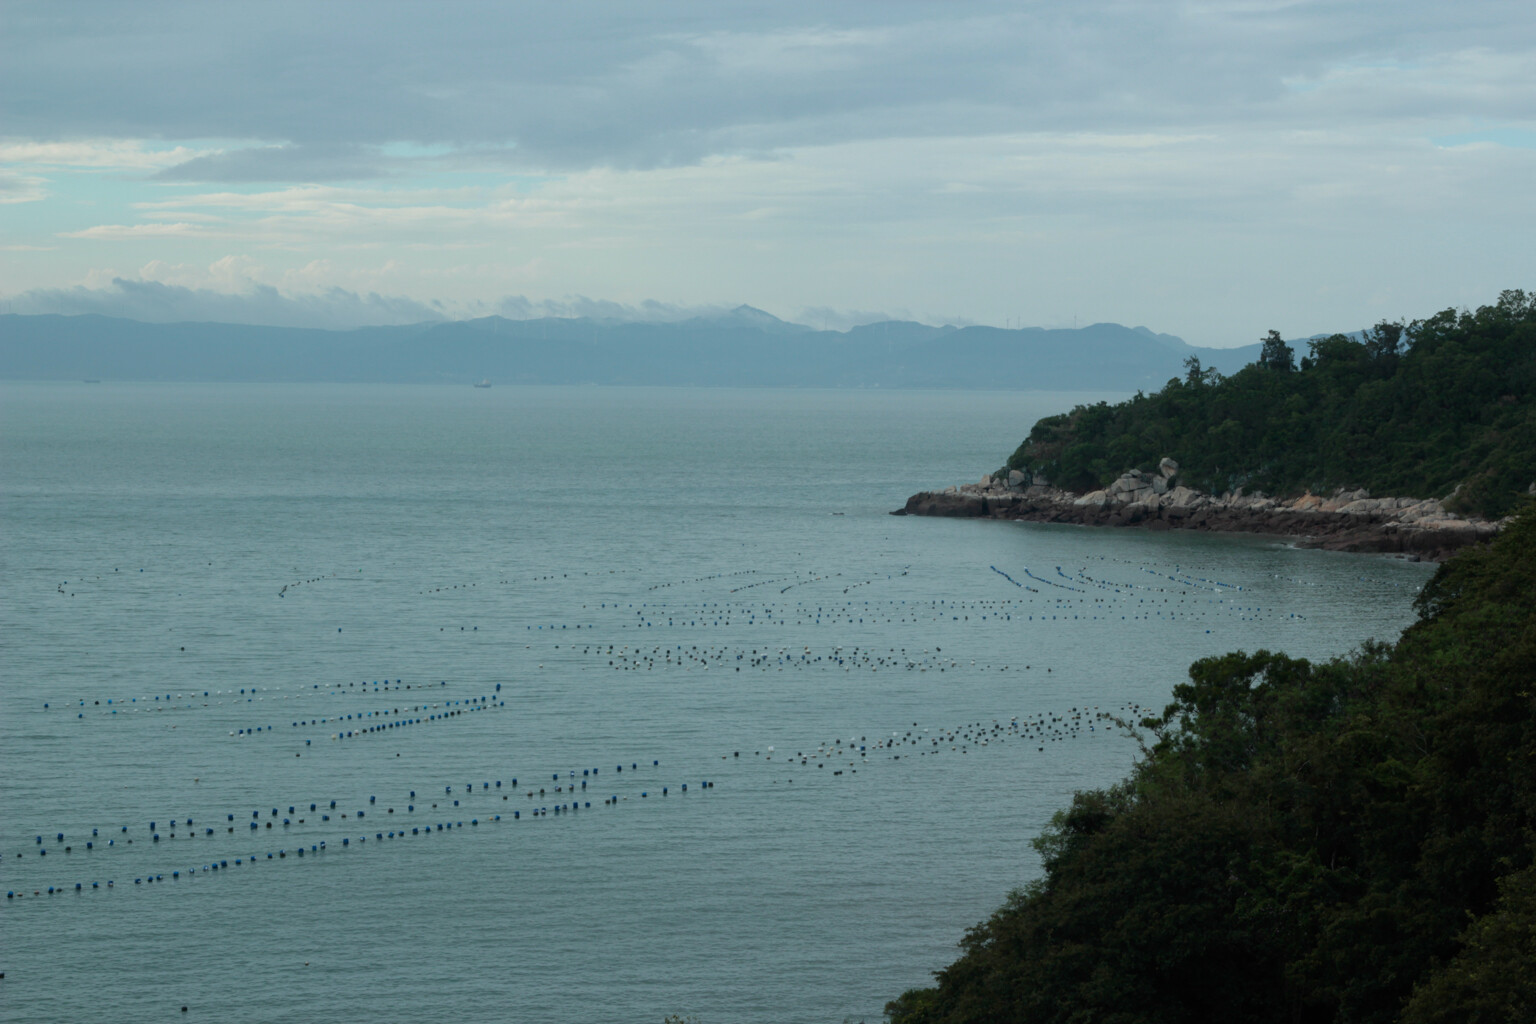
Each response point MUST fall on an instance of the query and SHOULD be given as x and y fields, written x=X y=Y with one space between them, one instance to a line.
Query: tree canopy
x=1415 y=409
x=1344 y=841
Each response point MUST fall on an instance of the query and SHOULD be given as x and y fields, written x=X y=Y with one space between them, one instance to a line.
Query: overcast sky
x=1210 y=170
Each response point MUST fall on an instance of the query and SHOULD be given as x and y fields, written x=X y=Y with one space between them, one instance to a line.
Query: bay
x=568 y=580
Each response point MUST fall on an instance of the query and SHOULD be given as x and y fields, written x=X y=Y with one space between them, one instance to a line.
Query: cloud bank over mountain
x=157 y=302
x=1219 y=168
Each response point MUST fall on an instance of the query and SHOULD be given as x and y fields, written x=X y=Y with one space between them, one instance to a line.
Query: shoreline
x=1416 y=528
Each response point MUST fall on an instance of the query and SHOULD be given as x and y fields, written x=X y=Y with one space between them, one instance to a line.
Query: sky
x=1208 y=169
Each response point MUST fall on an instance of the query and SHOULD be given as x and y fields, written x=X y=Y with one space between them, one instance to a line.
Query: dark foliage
x=1349 y=841
x=1413 y=410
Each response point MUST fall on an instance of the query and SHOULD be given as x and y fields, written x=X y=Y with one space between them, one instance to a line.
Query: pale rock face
x=1096 y=498
x=1128 y=485
x=985 y=481
x=1183 y=497
x=1160 y=485
x=1015 y=478
x=1362 y=506
x=1168 y=467
x=1307 y=503
x=950 y=489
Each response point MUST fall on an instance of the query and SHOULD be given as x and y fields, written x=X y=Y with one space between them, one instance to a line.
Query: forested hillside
x=1350 y=841
x=1412 y=410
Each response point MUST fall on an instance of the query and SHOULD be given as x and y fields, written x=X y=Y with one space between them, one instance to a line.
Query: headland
x=1416 y=528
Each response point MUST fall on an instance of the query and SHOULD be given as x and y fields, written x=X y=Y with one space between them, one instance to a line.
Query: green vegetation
x=1413 y=410
x=1349 y=841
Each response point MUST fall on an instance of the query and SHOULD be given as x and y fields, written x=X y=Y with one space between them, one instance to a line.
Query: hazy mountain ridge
x=746 y=347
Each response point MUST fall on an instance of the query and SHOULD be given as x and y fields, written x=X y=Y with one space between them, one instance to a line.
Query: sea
x=350 y=702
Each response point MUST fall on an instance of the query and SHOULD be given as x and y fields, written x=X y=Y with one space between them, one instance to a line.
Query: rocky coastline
x=1415 y=528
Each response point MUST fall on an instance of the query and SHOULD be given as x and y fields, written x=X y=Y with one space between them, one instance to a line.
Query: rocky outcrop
x=1418 y=528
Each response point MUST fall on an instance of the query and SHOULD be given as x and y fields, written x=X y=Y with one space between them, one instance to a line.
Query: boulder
x=1129 y=483
x=1015 y=478
x=1096 y=498
x=1184 y=497
x=1160 y=484
x=1168 y=467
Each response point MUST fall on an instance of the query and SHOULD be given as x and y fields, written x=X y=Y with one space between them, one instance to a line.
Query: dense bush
x=1348 y=841
x=1412 y=410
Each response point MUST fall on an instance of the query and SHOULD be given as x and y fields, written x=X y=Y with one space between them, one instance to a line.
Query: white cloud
x=156 y=302
x=116 y=232
x=22 y=188
x=97 y=154
x=1191 y=166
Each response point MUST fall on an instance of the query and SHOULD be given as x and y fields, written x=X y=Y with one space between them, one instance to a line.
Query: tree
x=1300 y=842
x=1384 y=341
x=1276 y=354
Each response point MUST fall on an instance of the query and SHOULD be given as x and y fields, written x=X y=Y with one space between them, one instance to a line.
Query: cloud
x=21 y=188
x=280 y=163
x=632 y=85
x=1195 y=166
x=155 y=297
x=130 y=231
x=156 y=302
x=827 y=318
x=96 y=154
x=519 y=307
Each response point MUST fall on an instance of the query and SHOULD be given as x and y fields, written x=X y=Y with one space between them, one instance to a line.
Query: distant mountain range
x=745 y=348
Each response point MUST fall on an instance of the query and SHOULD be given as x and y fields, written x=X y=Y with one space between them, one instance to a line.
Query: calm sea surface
x=225 y=604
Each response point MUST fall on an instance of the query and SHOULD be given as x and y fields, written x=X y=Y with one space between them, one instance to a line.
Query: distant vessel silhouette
x=484 y=384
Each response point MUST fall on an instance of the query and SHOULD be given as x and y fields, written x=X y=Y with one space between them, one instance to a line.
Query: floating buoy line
x=230 y=840
x=240 y=696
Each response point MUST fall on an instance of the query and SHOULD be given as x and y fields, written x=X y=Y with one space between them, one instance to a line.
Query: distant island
x=1413 y=437
x=745 y=348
